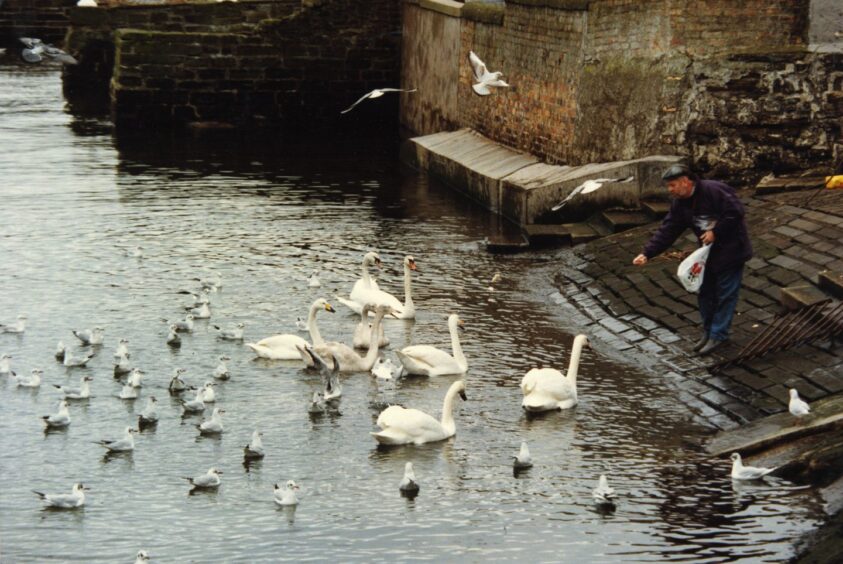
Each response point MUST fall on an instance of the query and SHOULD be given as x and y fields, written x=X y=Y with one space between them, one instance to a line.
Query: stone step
x=581 y=232
x=506 y=243
x=618 y=221
x=832 y=282
x=799 y=296
x=547 y=234
x=788 y=184
x=656 y=209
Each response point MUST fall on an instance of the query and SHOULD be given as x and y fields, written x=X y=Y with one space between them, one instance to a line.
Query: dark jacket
x=711 y=201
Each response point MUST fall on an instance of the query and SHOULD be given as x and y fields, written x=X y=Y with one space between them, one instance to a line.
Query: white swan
x=375 y=295
x=426 y=360
x=400 y=426
x=284 y=347
x=344 y=356
x=546 y=389
x=363 y=331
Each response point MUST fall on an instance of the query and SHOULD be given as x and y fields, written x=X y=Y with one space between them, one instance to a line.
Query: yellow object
x=834 y=181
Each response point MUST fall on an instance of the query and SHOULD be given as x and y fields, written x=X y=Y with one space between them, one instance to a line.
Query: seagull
x=173 y=338
x=177 y=385
x=61 y=349
x=211 y=479
x=208 y=394
x=317 y=405
x=254 y=450
x=135 y=378
x=18 y=327
x=122 y=367
x=330 y=372
x=231 y=334
x=496 y=278
x=212 y=426
x=126 y=444
x=199 y=299
x=128 y=392
x=221 y=371
x=60 y=419
x=603 y=494
x=484 y=78
x=384 y=369
x=122 y=349
x=5 y=368
x=90 y=336
x=143 y=556
x=65 y=501
x=313 y=281
x=71 y=362
x=376 y=93
x=201 y=312
x=286 y=495
x=409 y=486
x=82 y=392
x=741 y=472
x=301 y=325
x=149 y=415
x=523 y=460
x=797 y=406
x=213 y=282
x=185 y=326
x=196 y=405
x=589 y=186
x=33 y=381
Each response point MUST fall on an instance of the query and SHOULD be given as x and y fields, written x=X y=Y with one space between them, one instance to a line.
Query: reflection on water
x=264 y=214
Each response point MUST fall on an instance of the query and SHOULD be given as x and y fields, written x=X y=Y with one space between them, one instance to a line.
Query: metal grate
x=818 y=321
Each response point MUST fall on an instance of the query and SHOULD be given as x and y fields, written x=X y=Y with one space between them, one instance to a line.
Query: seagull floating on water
x=60 y=419
x=126 y=444
x=376 y=93
x=797 y=406
x=185 y=326
x=173 y=338
x=211 y=479
x=61 y=349
x=18 y=327
x=33 y=381
x=135 y=378
x=208 y=394
x=5 y=365
x=232 y=333
x=603 y=494
x=313 y=281
x=301 y=324
x=143 y=556
x=82 y=392
x=254 y=450
x=384 y=368
x=317 y=404
x=122 y=366
x=122 y=349
x=221 y=371
x=128 y=392
x=484 y=78
x=741 y=472
x=589 y=186
x=409 y=486
x=73 y=362
x=212 y=426
x=90 y=336
x=196 y=405
x=149 y=415
x=65 y=501
x=201 y=312
x=177 y=385
x=523 y=460
x=286 y=495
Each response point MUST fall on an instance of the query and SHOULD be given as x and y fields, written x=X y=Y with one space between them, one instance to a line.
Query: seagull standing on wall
x=376 y=93
x=484 y=78
x=589 y=186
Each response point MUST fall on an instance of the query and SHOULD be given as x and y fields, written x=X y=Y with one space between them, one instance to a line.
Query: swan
x=400 y=426
x=407 y=310
x=546 y=389
x=284 y=347
x=344 y=356
x=363 y=331
x=425 y=360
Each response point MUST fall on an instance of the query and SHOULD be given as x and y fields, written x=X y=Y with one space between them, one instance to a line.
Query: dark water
x=264 y=214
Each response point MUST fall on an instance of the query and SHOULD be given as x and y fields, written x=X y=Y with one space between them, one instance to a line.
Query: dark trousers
x=717 y=300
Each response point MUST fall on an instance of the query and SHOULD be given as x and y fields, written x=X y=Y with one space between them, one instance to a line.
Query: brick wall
x=45 y=19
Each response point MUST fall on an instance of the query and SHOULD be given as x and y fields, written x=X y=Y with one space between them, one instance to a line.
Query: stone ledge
x=485 y=12
x=570 y=5
x=447 y=7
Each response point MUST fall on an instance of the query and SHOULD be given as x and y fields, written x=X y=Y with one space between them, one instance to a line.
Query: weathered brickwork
x=616 y=79
x=46 y=19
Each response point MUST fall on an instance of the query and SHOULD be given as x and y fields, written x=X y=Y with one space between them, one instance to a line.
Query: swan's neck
x=366 y=278
x=574 y=364
x=447 y=421
x=315 y=335
x=372 y=353
x=256 y=442
x=457 y=348
x=408 y=289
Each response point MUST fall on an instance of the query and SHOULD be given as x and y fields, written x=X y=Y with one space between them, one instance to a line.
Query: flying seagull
x=589 y=186
x=36 y=50
x=484 y=78
x=376 y=93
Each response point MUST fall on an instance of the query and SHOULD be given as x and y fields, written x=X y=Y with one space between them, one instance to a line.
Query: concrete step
x=506 y=243
x=799 y=296
x=832 y=282
x=618 y=221
x=656 y=209
x=788 y=184
x=547 y=234
x=581 y=232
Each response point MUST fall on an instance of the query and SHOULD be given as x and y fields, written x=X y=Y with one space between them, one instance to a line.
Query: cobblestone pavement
x=646 y=315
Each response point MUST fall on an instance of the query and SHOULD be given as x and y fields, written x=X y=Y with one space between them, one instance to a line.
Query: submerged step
x=540 y=233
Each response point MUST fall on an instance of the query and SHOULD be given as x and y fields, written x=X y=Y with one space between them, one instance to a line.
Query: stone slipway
x=522 y=189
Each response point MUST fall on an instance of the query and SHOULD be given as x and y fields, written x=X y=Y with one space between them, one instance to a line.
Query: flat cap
x=677 y=171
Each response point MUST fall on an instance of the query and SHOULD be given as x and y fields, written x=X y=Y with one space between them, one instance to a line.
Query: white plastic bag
x=692 y=269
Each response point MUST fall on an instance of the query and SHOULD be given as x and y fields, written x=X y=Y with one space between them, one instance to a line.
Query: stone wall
x=45 y=19
x=605 y=80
